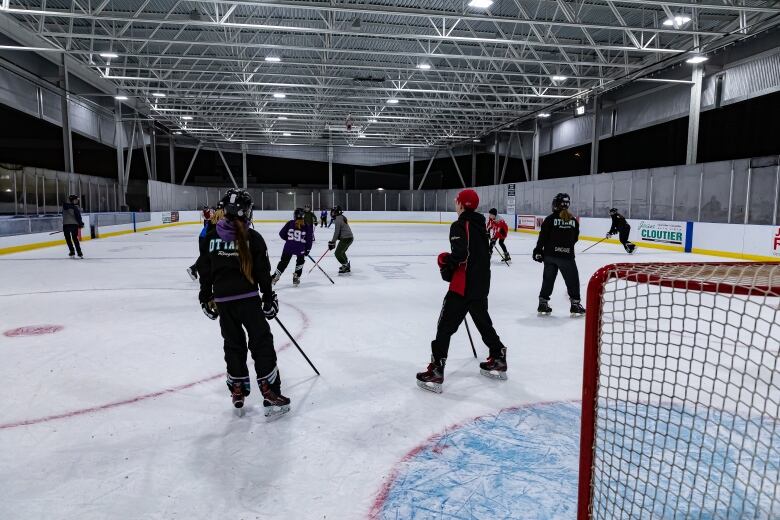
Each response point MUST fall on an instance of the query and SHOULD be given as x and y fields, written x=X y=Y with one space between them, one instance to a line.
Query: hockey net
x=681 y=392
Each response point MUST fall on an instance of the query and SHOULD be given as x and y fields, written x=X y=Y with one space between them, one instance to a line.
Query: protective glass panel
x=663 y=193
x=621 y=192
x=584 y=205
x=603 y=195
x=686 y=201
x=739 y=192
x=640 y=189
x=50 y=195
x=715 y=192
x=7 y=191
x=762 y=195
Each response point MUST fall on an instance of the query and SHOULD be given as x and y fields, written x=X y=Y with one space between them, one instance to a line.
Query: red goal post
x=681 y=392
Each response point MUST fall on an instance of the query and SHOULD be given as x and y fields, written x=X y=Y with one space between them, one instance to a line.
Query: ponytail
x=244 y=255
x=566 y=215
x=217 y=216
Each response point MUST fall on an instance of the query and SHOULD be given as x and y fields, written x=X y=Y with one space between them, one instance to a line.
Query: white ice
x=133 y=327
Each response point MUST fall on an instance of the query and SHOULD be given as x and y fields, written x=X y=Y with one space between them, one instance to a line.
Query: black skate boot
x=345 y=268
x=630 y=248
x=494 y=367
x=277 y=275
x=72 y=254
x=543 y=309
x=274 y=403
x=239 y=389
x=192 y=272
x=507 y=258
x=296 y=279
x=433 y=377
x=576 y=309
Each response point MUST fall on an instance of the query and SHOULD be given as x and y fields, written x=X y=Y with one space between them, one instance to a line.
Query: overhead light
x=282 y=118
x=378 y=189
x=108 y=55
x=677 y=21
x=287 y=134
x=579 y=110
x=475 y=141
x=696 y=59
x=544 y=114
x=279 y=95
x=120 y=98
x=361 y=136
x=290 y=193
x=372 y=120
x=187 y=118
x=273 y=59
x=158 y=94
x=392 y=101
x=176 y=133
x=424 y=66
x=559 y=78
x=8 y=190
x=481 y=4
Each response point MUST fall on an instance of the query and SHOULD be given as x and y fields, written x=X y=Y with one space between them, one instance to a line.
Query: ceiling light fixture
x=579 y=110
x=187 y=118
x=544 y=115
x=287 y=134
x=273 y=59
x=177 y=133
x=677 y=21
x=108 y=55
x=475 y=141
x=559 y=78
x=693 y=60
x=120 y=98
x=481 y=4
x=372 y=121
x=282 y=118
x=424 y=66
x=158 y=94
x=279 y=95
x=380 y=189
x=392 y=101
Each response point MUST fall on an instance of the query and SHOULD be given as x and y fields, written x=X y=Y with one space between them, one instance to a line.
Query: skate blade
x=543 y=313
x=431 y=387
x=493 y=374
x=240 y=412
x=274 y=412
x=577 y=314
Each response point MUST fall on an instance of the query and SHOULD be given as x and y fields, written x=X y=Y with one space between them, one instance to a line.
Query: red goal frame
x=640 y=273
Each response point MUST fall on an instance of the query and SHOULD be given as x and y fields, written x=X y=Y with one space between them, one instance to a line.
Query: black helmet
x=238 y=204
x=336 y=210
x=613 y=211
x=220 y=205
x=493 y=211
x=72 y=198
x=561 y=201
x=298 y=214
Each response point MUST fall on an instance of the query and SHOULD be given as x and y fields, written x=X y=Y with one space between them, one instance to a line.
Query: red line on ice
x=144 y=397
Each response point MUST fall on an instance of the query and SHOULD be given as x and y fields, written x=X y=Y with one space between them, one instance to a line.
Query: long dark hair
x=566 y=215
x=244 y=254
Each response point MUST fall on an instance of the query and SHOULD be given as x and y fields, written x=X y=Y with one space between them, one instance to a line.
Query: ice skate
x=507 y=258
x=576 y=309
x=190 y=271
x=345 y=268
x=274 y=403
x=433 y=377
x=81 y=256
x=296 y=279
x=630 y=248
x=237 y=394
x=543 y=309
x=72 y=254
x=494 y=368
x=277 y=275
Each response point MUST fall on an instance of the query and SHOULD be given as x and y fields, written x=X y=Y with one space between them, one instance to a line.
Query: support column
x=153 y=149
x=243 y=165
x=411 y=169
x=67 y=143
x=693 y=114
x=172 y=157
x=594 y=137
x=120 y=153
x=330 y=168
x=496 y=158
x=473 y=164
x=535 y=153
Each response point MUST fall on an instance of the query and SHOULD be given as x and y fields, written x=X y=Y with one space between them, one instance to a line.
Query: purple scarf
x=226 y=230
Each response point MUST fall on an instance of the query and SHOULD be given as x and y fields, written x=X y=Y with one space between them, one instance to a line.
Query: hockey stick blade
x=321 y=269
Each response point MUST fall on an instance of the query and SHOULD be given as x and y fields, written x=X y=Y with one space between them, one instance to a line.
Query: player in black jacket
x=555 y=247
x=467 y=269
x=233 y=263
x=621 y=228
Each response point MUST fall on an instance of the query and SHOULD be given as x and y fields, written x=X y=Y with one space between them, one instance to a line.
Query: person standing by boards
x=467 y=269
x=555 y=248
x=498 y=231
x=342 y=235
x=298 y=236
x=71 y=224
x=622 y=229
x=233 y=264
x=324 y=218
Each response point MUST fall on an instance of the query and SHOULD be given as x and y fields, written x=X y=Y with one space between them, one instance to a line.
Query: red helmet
x=468 y=199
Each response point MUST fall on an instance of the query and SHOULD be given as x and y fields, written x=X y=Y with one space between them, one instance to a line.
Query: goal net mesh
x=685 y=402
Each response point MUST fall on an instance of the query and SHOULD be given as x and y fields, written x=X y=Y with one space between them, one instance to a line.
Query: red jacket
x=498 y=228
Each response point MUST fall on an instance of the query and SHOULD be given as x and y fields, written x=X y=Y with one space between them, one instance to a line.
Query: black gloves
x=538 y=255
x=332 y=245
x=210 y=309
x=270 y=305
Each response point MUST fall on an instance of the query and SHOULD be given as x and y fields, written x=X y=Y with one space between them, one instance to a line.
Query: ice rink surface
x=124 y=412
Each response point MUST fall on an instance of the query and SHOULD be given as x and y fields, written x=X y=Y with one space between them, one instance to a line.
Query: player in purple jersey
x=298 y=237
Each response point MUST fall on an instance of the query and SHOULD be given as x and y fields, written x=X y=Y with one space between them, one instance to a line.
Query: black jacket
x=71 y=215
x=557 y=237
x=471 y=255
x=619 y=223
x=219 y=268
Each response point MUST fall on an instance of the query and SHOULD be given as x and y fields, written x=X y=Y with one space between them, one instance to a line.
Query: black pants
x=568 y=269
x=453 y=312
x=234 y=317
x=623 y=235
x=71 y=232
x=323 y=221
x=501 y=243
x=285 y=261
